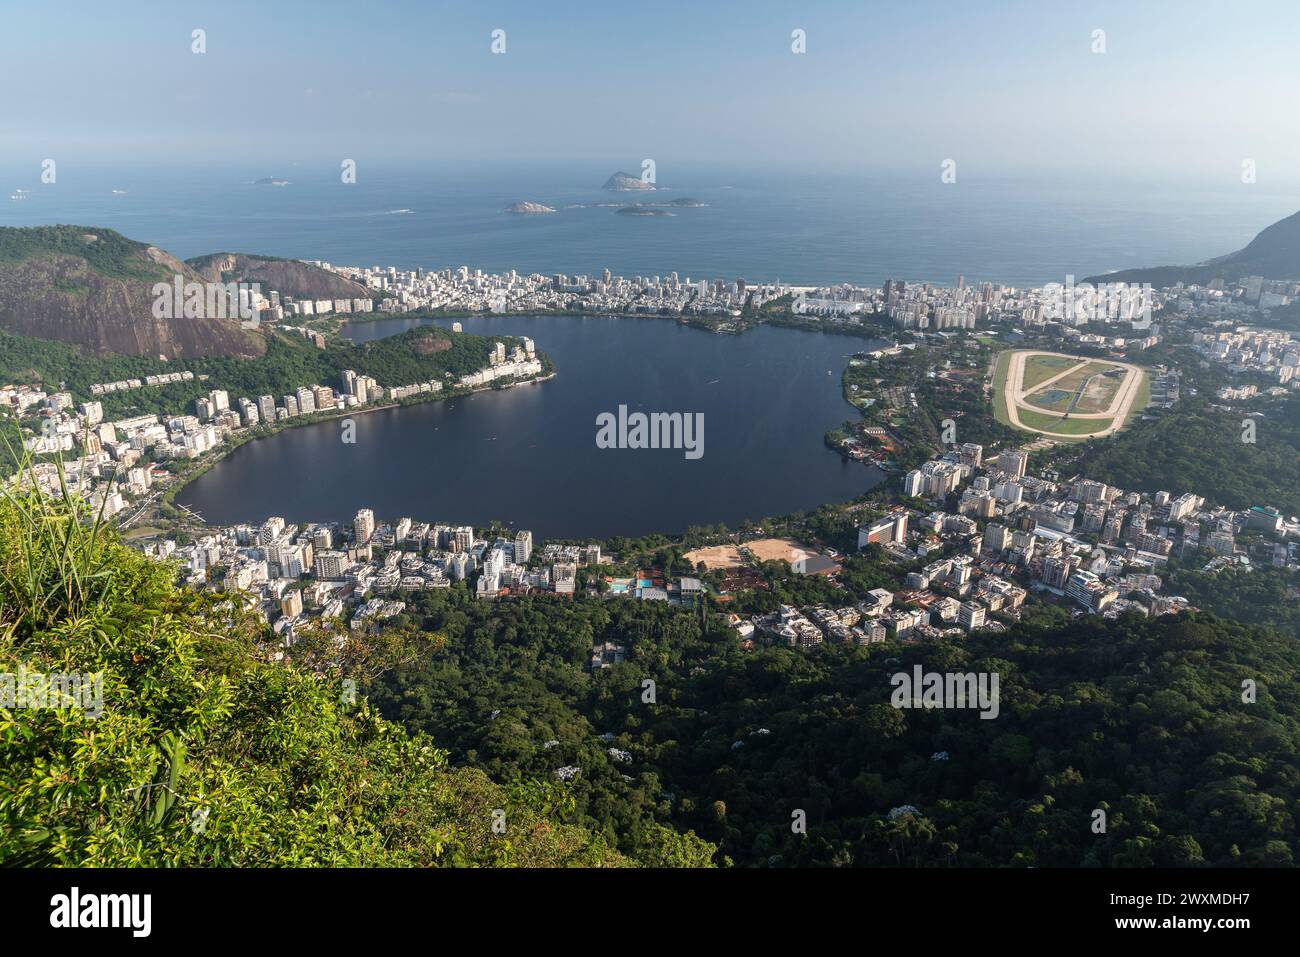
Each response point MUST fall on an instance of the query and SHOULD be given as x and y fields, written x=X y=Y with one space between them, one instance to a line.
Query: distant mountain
x=94 y=288
x=289 y=277
x=1273 y=254
x=626 y=182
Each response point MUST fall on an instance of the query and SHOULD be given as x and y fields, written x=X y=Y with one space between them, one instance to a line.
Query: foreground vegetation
x=209 y=752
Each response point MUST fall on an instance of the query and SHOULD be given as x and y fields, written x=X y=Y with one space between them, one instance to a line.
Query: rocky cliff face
x=95 y=288
x=287 y=276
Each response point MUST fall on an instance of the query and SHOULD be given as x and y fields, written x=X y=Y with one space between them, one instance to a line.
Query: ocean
x=762 y=224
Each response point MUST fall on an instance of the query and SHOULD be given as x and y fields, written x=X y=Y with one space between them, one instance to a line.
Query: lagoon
x=528 y=456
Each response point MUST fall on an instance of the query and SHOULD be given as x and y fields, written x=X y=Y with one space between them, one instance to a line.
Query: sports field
x=1064 y=396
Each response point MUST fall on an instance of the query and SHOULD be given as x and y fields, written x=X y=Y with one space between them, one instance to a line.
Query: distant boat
x=119 y=192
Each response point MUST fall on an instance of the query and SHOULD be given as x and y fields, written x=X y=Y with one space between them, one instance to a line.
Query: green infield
x=1058 y=425
x=1040 y=368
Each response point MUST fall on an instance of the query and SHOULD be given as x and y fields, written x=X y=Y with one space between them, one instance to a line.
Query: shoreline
x=216 y=456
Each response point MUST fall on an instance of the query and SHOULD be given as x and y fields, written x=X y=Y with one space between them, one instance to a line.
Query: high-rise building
x=970 y=615
x=363 y=526
x=93 y=412
x=291 y=603
x=248 y=412
x=523 y=547
x=1013 y=462
x=1090 y=591
x=566 y=575
x=331 y=565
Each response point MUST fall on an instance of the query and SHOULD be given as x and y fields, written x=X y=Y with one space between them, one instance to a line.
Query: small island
x=625 y=182
x=642 y=211
x=529 y=209
x=270 y=181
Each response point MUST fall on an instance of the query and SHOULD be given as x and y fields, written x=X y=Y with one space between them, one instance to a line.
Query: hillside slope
x=93 y=288
x=288 y=276
x=1273 y=254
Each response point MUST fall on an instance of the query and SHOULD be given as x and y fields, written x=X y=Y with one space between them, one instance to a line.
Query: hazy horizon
x=1012 y=90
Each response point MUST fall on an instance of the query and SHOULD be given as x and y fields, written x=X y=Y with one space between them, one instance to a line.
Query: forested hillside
x=1200 y=449
x=290 y=361
x=1144 y=720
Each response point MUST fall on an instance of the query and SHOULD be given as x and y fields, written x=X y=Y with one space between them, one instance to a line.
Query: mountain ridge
x=290 y=277
x=94 y=288
x=1274 y=253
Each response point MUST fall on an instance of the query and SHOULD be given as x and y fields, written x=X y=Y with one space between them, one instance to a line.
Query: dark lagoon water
x=528 y=455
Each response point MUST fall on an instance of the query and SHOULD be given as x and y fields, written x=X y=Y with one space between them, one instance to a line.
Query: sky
x=1182 y=89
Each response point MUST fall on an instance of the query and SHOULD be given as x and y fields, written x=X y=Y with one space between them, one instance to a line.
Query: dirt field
x=716 y=556
x=778 y=549
x=763 y=549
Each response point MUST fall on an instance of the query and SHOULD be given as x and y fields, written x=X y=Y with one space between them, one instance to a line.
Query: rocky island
x=529 y=209
x=625 y=182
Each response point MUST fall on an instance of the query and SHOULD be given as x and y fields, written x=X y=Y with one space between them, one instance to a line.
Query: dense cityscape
x=358 y=526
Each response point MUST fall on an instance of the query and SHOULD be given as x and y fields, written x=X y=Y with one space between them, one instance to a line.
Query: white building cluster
x=1271 y=353
x=1098 y=547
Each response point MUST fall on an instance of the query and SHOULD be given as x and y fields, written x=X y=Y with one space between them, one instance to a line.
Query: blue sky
x=1183 y=89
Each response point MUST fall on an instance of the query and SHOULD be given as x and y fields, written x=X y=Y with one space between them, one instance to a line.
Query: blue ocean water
x=800 y=226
